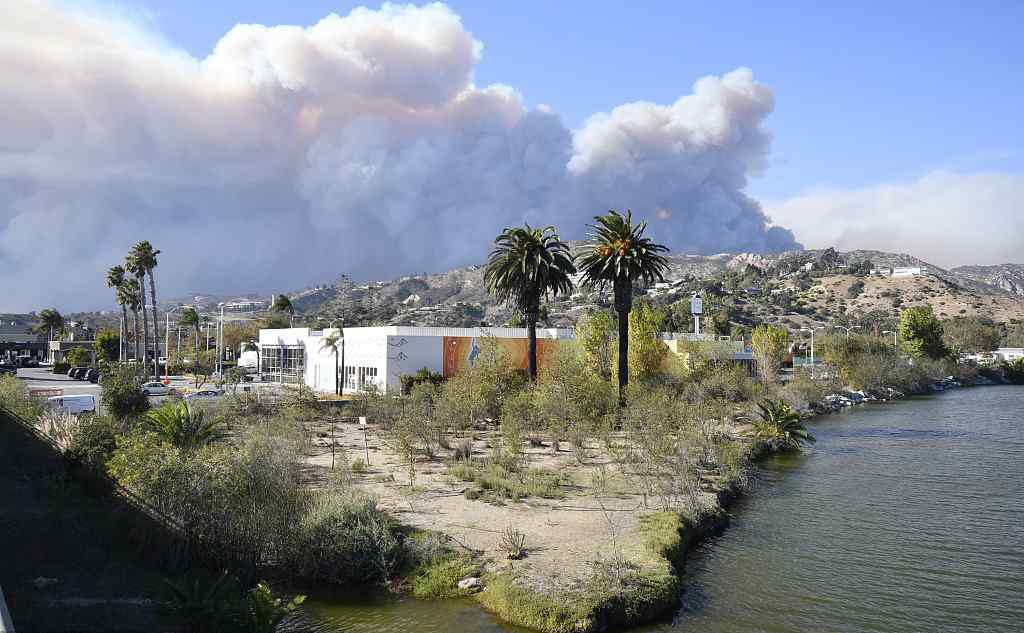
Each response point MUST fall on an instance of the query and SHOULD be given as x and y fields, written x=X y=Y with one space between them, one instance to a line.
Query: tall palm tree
x=283 y=304
x=145 y=255
x=50 y=321
x=115 y=280
x=130 y=294
x=335 y=343
x=620 y=255
x=134 y=265
x=527 y=265
x=190 y=318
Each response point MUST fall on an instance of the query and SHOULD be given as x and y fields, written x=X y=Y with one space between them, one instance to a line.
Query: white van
x=73 y=404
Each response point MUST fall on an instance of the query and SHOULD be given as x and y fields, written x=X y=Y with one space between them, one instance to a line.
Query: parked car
x=78 y=373
x=205 y=394
x=155 y=388
x=73 y=404
x=8 y=369
x=92 y=375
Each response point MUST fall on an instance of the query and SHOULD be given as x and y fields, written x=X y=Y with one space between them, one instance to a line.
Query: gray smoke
x=358 y=145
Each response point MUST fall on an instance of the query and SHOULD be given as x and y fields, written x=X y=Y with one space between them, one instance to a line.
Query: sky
x=891 y=126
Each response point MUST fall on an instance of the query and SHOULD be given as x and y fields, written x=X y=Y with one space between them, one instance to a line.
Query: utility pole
x=811 y=330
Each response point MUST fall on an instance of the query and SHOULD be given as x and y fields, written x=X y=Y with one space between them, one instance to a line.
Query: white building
x=382 y=355
x=1008 y=354
x=913 y=271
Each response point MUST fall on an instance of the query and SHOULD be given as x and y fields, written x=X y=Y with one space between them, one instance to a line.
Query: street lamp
x=847 y=329
x=811 y=330
x=895 y=333
x=220 y=342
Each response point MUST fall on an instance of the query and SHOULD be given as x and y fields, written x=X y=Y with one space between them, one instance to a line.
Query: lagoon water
x=904 y=517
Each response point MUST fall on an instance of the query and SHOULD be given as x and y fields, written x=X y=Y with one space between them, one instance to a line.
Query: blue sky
x=866 y=93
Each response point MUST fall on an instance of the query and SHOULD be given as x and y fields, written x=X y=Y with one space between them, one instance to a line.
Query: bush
x=61 y=368
x=15 y=397
x=94 y=442
x=345 y=538
x=79 y=357
x=121 y=391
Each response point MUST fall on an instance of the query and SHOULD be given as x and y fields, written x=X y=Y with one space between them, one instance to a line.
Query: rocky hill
x=1008 y=277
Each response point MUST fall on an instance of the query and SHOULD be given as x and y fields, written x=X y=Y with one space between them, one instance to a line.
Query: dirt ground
x=564 y=536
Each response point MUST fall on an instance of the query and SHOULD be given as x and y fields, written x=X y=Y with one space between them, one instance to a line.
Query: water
x=904 y=517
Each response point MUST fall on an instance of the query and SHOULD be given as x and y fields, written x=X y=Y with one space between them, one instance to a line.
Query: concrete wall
x=409 y=354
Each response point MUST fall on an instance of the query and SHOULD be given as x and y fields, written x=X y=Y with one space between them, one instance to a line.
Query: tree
x=620 y=255
x=134 y=265
x=646 y=352
x=526 y=266
x=108 y=346
x=131 y=294
x=283 y=305
x=921 y=333
x=334 y=343
x=190 y=319
x=50 y=321
x=115 y=280
x=970 y=335
x=769 y=344
x=145 y=256
x=79 y=357
x=595 y=333
x=121 y=392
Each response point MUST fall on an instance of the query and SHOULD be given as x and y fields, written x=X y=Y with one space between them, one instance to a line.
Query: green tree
x=108 y=346
x=144 y=256
x=595 y=333
x=646 y=352
x=131 y=294
x=121 y=391
x=183 y=427
x=619 y=255
x=283 y=305
x=79 y=357
x=921 y=332
x=115 y=280
x=970 y=335
x=334 y=343
x=50 y=321
x=769 y=345
x=526 y=266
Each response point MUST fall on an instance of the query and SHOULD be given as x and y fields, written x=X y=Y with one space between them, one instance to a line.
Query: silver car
x=155 y=388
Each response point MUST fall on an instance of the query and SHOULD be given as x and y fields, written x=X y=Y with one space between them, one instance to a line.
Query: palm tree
x=190 y=318
x=335 y=343
x=778 y=423
x=50 y=321
x=526 y=265
x=185 y=428
x=115 y=280
x=145 y=255
x=283 y=304
x=134 y=264
x=129 y=295
x=620 y=255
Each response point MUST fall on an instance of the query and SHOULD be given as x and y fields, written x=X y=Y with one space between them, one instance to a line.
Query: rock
x=469 y=583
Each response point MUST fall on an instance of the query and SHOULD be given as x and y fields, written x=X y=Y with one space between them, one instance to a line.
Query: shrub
x=358 y=466
x=121 y=391
x=15 y=397
x=60 y=425
x=513 y=543
x=79 y=357
x=61 y=368
x=94 y=442
x=343 y=538
x=185 y=428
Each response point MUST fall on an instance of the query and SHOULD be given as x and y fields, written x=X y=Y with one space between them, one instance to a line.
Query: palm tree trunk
x=135 y=326
x=156 y=320
x=623 y=352
x=531 y=357
x=124 y=331
x=145 y=325
x=195 y=359
x=337 y=380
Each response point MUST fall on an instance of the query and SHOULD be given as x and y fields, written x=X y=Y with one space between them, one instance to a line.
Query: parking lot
x=43 y=378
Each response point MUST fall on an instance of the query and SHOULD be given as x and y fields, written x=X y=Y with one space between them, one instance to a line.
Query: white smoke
x=357 y=145
x=945 y=218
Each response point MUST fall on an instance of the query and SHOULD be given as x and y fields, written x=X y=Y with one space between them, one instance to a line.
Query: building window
x=359 y=377
x=280 y=363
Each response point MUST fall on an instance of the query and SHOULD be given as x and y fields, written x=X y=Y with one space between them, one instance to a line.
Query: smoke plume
x=359 y=145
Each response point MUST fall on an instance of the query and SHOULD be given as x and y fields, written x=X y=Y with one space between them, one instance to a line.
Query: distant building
x=913 y=271
x=882 y=272
x=1008 y=354
x=17 y=338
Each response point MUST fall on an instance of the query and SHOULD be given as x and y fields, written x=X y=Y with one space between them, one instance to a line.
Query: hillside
x=1008 y=277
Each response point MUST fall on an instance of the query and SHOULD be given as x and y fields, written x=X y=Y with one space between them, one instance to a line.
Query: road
x=43 y=378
